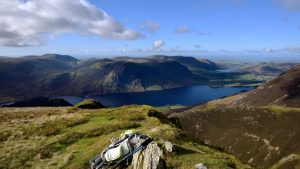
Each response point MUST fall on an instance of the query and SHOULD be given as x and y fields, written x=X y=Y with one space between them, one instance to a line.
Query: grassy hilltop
x=70 y=137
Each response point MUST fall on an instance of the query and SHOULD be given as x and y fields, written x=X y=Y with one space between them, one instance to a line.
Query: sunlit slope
x=70 y=137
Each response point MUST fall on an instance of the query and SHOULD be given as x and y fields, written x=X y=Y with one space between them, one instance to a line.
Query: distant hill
x=41 y=102
x=56 y=75
x=269 y=69
x=283 y=91
x=117 y=77
x=20 y=76
x=62 y=58
x=190 y=62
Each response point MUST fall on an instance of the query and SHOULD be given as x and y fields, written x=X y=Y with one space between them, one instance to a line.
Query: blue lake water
x=181 y=96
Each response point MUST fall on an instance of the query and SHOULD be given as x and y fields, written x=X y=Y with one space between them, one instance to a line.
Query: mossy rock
x=89 y=104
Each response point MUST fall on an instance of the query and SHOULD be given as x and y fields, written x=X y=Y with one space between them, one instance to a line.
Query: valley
x=259 y=126
x=131 y=84
x=53 y=75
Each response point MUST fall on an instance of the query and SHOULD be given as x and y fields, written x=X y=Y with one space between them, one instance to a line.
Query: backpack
x=121 y=151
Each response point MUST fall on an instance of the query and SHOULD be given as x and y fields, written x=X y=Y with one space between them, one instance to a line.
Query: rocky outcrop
x=150 y=158
x=200 y=166
x=169 y=147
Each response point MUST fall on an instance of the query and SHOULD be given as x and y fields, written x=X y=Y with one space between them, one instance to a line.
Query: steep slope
x=283 y=91
x=249 y=126
x=56 y=75
x=19 y=76
x=261 y=136
x=115 y=77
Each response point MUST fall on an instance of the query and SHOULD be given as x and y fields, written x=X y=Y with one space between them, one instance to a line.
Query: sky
x=250 y=29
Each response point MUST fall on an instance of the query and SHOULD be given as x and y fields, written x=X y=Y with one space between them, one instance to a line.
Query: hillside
x=56 y=75
x=260 y=127
x=268 y=69
x=283 y=91
x=70 y=137
x=40 y=102
x=191 y=63
x=117 y=77
x=261 y=136
x=19 y=76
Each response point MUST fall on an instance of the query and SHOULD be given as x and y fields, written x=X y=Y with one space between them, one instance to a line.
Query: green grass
x=253 y=77
x=235 y=79
x=56 y=138
x=279 y=110
x=169 y=107
x=291 y=161
x=89 y=104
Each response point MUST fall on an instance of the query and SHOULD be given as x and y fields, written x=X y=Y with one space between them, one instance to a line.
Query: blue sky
x=225 y=28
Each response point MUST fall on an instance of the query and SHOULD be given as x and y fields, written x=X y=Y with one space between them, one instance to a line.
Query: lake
x=177 y=96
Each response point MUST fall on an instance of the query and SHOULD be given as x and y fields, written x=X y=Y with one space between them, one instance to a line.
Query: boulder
x=150 y=158
x=200 y=166
x=169 y=146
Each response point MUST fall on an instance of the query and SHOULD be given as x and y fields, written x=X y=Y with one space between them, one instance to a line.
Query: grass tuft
x=89 y=104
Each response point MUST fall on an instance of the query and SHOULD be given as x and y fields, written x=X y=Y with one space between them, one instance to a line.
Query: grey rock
x=200 y=166
x=169 y=146
x=150 y=158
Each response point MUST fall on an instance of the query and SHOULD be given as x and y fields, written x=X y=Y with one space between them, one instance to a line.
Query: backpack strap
x=141 y=146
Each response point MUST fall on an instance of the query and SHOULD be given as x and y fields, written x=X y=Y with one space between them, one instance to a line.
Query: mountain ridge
x=56 y=75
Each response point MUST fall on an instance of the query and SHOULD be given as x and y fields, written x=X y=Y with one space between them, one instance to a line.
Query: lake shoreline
x=193 y=95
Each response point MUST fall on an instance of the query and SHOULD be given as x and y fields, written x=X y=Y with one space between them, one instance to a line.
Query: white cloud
x=158 y=44
x=290 y=4
x=294 y=50
x=251 y=50
x=151 y=26
x=182 y=29
x=268 y=50
x=26 y=23
x=124 y=50
x=186 y=29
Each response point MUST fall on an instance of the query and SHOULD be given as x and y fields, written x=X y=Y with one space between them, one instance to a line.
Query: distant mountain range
x=56 y=75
